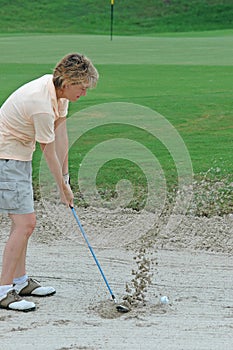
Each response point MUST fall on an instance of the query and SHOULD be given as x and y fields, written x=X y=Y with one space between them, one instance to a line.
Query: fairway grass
x=187 y=78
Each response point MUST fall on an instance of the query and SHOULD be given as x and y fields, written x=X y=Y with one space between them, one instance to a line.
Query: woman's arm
x=61 y=144
x=49 y=151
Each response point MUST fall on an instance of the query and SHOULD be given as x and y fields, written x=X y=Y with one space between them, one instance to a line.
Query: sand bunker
x=192 y=265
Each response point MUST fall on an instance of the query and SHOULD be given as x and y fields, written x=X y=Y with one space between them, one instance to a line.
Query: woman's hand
x=66 y=195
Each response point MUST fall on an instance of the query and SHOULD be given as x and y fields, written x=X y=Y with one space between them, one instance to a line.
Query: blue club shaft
x=92 y=252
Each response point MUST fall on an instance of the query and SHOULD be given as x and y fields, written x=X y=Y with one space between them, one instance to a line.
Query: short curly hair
x=75 y=68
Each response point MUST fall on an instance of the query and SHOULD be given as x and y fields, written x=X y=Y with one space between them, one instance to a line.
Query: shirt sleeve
x=44 y=127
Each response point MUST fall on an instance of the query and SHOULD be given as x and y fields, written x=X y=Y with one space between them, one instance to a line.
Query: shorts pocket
x=9 y=196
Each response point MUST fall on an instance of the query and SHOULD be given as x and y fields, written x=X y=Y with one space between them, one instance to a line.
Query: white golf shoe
x=12 y=301
x=33 y=288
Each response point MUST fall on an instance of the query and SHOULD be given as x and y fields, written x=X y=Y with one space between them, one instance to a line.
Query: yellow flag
x=112 y=2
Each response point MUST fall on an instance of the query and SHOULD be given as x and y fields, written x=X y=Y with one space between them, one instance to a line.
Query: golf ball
x=164 y=299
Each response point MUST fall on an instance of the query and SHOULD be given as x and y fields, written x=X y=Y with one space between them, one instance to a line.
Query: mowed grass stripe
x=178 y=50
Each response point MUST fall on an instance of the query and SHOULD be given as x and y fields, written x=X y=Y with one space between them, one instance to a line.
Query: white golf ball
x=164 y=299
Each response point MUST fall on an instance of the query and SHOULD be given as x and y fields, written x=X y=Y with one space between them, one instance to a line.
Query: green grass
x=186 y=78
x=130 y=17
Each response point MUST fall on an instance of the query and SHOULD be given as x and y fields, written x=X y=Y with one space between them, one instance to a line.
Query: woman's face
x=74 y=91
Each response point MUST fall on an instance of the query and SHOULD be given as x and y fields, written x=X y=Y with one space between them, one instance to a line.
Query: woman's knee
x=24 y=223
x=31 y=224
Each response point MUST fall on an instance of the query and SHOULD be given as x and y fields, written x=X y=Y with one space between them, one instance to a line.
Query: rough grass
x=131 y=17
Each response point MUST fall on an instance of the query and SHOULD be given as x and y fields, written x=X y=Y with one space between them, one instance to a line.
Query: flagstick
x=112 y=6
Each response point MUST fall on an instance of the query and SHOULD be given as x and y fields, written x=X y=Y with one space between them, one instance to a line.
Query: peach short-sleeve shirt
x=27 y=116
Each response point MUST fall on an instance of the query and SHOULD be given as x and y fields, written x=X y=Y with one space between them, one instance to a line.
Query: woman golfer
x=35 y=112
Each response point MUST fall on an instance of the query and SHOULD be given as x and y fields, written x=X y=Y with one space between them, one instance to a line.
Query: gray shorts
x=16 y=192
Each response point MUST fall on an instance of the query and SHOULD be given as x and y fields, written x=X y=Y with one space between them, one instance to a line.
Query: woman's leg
x=14 y=256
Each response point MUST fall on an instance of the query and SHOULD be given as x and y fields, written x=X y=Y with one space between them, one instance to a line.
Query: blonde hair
x=75 y=68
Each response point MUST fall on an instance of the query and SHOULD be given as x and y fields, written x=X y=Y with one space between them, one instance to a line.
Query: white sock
x=5 y=289
x=20 y=280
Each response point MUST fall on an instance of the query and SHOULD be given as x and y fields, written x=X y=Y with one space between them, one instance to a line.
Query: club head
x=121 y=308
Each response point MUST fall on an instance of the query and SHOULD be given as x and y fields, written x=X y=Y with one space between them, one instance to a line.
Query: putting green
x=164 y=50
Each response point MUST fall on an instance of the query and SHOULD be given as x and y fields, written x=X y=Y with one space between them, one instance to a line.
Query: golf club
x=120 y=308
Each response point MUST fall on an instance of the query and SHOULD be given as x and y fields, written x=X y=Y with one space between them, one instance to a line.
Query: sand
x=192 y=266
